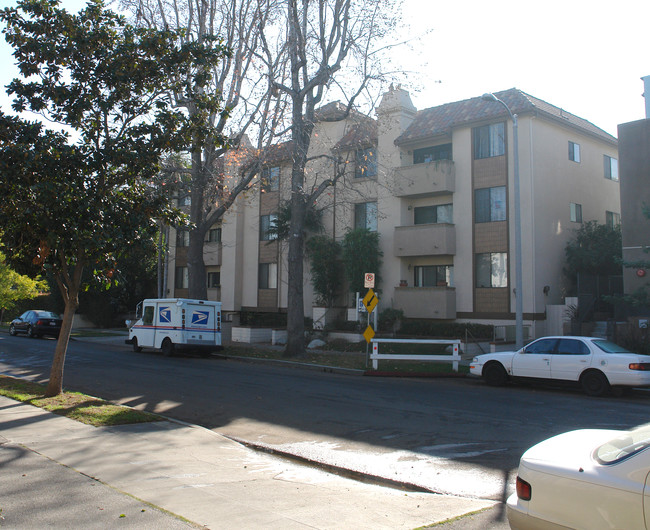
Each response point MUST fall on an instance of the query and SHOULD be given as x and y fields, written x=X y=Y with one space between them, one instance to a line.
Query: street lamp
x=519 y=290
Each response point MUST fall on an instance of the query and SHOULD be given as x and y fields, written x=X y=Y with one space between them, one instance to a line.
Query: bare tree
x=239 y=86
x=329 y=49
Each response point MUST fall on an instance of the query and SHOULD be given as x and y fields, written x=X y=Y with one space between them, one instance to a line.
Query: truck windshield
x=625 y=445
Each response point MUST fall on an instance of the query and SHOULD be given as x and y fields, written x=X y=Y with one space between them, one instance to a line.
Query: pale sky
x=585 y=56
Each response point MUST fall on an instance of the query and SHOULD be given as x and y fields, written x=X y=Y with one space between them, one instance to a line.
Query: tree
x=69 y=206
x=361 y=254
x=328 y=46
x=15 y=287
x=326 y=267
x=237 y=85
x=595 y=250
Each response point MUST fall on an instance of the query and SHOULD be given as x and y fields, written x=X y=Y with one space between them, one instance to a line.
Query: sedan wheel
x=594 y=383
x=30 y=332
x=495 y=374
x=12 y=330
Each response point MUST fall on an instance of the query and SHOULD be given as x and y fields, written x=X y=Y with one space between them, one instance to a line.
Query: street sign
x=369 y=280
x=370 y=300
x=369 y=334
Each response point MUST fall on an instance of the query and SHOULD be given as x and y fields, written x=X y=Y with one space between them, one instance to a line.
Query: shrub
x=429 y=328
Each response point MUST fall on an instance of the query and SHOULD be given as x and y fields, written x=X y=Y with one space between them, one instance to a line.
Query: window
x=611 y=168
x=489 y=141
x=270 y=179
x=612 y=219
x=147 y=316
x=490 y=204
x=572 y=347
x=492 y=269
x=434 y=276
x=214 y=235
x=266 y=223
x=542 y=346
x=430 y=154
x=185 y=200
x=214 y=280
x=576 y=213
x=574 y=152
x=442 y=213
x=365 y=215
x=366 y=163
x=181 y=278
x=182 y=237
x=268 y=276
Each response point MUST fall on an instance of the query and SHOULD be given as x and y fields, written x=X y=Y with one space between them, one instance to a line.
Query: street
x=455 y=436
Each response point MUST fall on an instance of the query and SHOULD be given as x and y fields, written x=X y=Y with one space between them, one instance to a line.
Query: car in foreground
x=36 y=323
x=589 y=479
x=596 y=364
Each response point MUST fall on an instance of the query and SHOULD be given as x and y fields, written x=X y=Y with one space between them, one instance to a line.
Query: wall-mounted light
x=546 y=289
x=409 y=266
x=410 y=207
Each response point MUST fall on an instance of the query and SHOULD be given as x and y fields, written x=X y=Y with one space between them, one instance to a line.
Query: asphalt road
x=453 y=436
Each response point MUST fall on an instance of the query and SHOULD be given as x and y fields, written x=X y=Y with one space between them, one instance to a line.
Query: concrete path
x=62 y=474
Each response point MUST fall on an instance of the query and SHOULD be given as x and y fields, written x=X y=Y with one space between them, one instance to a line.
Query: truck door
x=144 y=330
x=164 y=317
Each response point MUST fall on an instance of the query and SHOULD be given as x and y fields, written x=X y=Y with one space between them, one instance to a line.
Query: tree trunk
x=198 y=286
x=71 y=297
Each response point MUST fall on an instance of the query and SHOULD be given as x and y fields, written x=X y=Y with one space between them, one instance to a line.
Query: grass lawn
x=73 y=405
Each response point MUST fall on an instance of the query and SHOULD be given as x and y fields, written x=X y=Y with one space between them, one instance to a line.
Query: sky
x=585 y=56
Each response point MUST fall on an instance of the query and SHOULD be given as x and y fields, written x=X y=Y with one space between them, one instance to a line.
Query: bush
x=264 y=320
x=429 y=328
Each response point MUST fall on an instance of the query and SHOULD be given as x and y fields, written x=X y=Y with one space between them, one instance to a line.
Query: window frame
x=270 y=179
x=182 y=274
x=365 y=162
x=611 y=168
x=267 y=275
x=433 y=153
x=489 y=140
x=439 y=271
x=214 y=235
x=265 y=226
x=211 y=275
x=495 y=214
x=612 y=219
x=435 y=208
x=575 y=212
x=182 y=237
x=499 y=259
x=574 y=152
x=365 y=221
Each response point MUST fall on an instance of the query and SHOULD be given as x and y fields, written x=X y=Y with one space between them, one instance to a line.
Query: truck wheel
x=136 y=348
x=167 y=348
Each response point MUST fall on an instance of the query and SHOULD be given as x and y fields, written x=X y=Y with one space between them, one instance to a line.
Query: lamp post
x=519 y=290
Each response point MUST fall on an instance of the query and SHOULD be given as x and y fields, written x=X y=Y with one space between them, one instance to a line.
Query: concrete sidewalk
x=59 y=473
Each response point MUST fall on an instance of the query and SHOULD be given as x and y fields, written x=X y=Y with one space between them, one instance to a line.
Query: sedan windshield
x=623 y=446
x=610 y=347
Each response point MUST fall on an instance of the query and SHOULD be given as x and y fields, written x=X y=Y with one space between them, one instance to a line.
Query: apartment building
x=437 y=185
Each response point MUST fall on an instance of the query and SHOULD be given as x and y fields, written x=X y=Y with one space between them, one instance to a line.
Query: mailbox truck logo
x=200 y=318
x=165 y=315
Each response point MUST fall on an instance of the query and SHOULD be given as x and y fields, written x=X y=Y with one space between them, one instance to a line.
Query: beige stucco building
x=437 y=185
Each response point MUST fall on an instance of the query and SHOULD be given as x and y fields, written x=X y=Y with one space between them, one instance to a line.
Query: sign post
x=370 y=302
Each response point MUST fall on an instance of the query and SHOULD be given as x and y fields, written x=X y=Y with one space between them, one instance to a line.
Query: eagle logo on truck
x=165 y=315
x=200 y=318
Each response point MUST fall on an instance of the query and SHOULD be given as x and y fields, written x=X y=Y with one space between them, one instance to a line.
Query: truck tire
x=167 y=347
x=134 y=343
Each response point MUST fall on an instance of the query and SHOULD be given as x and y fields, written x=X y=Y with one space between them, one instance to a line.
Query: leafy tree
x=70 y=206
x=361 y=254
x=15 y=287
x=326 y=267
x=596 y=250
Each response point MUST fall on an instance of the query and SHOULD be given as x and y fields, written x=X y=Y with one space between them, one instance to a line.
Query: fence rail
x=375 y=356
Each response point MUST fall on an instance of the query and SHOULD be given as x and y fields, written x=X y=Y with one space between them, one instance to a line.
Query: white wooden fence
x=376 y=356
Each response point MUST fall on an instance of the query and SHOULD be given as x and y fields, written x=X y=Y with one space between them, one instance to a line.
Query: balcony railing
x=421 y=180
x=426 y=302
x=437 y=239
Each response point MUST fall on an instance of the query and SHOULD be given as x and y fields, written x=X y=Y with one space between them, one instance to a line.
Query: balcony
x=425 y=180
x=212 y=253
x=437 y=239
x=426 y=302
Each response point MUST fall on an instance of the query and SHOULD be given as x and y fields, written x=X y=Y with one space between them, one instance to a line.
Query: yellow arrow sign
x=370 y=300
x=369 y=334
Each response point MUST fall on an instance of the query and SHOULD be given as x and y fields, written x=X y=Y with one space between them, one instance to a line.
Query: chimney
x=646 y=95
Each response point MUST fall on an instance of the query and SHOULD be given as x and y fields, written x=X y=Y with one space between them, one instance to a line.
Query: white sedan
x=595 y=363
x=588 y=479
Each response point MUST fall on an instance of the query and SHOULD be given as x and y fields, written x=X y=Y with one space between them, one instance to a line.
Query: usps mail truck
x=173 y=324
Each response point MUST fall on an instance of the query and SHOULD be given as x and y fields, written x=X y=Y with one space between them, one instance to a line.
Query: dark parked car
x=36 y=323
